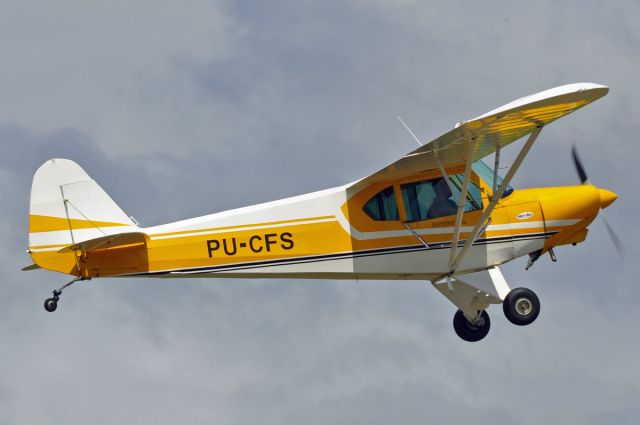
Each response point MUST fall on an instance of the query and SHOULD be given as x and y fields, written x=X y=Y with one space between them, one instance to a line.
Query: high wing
x=491 y=131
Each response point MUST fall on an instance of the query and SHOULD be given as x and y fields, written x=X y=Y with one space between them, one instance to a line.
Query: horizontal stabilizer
x=119 y=240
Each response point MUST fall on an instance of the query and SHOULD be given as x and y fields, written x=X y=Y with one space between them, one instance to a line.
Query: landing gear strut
x=473 y=330
x=51 y=304
x=521 y=306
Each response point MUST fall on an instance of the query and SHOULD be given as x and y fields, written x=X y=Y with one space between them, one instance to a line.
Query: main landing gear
x=51 y=304
x=521 y=307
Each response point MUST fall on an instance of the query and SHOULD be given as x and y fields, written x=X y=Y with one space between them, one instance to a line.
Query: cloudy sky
x=180 y=109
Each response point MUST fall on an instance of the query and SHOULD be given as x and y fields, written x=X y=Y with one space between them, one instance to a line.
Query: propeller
x=578 y=164
x=606 y=197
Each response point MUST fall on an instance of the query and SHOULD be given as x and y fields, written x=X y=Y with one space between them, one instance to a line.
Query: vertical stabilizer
x=67 y=207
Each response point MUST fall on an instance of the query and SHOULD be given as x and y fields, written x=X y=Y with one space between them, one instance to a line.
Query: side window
x=474 y=199
x=418 y=198
x=382 y=206
x=429 y=199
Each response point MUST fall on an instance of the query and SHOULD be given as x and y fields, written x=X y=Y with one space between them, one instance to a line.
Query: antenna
x=410 y=132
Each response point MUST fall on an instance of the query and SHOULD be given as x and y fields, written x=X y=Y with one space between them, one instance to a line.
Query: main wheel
x=50 y=304
x=471 y=331
x=521 y=306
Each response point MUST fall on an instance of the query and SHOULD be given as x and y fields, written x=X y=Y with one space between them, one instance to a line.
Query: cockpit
x=486 y=173
x=432 y=198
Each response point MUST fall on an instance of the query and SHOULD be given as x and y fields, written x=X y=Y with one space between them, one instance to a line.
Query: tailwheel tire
x=521 y=306
x=50 y=304
x=471 y=331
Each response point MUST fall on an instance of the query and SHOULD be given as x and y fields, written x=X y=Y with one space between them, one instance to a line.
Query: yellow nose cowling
x=606 y=197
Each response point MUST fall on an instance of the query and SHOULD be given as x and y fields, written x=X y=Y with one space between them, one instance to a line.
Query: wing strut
x=444 y=172
x=461 y=201
x=414 y=233
x=496 y=166
x=494 y=199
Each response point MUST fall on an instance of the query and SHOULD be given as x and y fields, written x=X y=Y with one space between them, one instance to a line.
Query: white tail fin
x=68 y=206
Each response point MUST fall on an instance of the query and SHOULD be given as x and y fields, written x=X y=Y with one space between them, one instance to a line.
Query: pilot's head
x=441 y=188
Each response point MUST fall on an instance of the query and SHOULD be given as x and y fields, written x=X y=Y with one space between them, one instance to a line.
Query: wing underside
x=491 y=131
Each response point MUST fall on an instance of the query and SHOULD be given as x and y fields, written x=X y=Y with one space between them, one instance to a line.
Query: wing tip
x=598 y=90
x=589 y=91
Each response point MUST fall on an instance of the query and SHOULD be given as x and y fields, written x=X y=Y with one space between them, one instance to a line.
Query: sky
x=180 y=109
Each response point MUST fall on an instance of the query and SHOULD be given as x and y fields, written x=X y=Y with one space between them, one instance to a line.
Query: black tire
x=471 y=332
x=521 y=306
x=50 y=304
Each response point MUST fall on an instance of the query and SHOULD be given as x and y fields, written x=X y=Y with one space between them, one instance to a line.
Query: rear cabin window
x=429 y=199
x=382 y=206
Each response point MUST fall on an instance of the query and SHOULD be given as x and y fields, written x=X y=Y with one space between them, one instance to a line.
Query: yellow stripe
x=59 y=245
x=244 y=226
x=43 y=223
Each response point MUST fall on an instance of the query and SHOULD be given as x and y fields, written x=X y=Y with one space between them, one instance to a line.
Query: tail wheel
x=521 y=306
x=471 y=331
x=50 y=304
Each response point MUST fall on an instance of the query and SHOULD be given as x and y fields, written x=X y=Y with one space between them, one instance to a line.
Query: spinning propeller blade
x=614 y=237
x=578 y=164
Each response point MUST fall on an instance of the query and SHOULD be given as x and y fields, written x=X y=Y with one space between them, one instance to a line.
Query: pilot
x=442 y=205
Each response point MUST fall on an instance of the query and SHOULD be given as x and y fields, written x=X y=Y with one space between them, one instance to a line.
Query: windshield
x=486 y=173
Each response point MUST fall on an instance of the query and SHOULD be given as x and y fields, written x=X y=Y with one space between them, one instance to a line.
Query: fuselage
x=326 y=235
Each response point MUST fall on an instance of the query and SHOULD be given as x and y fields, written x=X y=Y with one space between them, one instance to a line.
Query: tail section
x=68 y=207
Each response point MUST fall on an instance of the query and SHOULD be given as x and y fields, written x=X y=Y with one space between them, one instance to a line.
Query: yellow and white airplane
x=438 y=214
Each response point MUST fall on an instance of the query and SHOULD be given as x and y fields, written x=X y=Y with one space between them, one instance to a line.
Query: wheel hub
x=478 y=322
x=523 y=306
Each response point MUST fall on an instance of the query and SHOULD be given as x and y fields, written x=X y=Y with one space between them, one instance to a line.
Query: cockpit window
x=486 y=173
x=382 y=206
x=434 y=198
